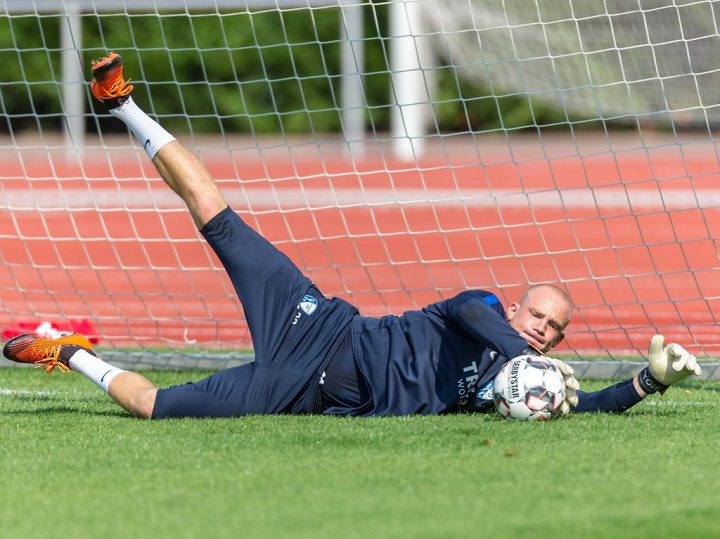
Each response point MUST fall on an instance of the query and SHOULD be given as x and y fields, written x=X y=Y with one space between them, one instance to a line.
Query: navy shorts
x=295 y=331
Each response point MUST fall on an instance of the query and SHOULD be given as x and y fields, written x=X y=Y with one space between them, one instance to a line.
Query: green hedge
x=236 y=72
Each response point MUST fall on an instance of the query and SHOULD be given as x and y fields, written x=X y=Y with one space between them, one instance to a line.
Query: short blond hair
x=562 y=293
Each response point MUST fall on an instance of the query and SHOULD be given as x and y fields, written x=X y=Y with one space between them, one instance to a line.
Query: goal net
x=398 y=153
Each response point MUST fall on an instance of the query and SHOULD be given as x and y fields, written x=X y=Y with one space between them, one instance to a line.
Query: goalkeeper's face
x=541 y=316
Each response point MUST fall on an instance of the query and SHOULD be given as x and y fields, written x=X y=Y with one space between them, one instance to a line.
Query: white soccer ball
x=529 y=388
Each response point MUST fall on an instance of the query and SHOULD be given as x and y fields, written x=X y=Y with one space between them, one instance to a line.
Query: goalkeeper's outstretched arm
x=666 y=366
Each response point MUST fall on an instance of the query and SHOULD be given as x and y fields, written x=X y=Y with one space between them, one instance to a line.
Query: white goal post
x=399 y=152
x=74 y=78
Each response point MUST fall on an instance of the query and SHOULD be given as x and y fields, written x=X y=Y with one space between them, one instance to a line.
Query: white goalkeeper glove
x=668 y=365
x=571 y=384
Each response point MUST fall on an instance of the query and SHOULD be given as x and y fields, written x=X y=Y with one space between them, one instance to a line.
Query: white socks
x=94 y=368
x=150 y=134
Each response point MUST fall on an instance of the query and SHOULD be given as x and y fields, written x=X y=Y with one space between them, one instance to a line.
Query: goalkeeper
x=318 y=355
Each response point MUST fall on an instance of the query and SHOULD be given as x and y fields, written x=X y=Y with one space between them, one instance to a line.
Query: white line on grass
x=664 y=403
x=15 y=392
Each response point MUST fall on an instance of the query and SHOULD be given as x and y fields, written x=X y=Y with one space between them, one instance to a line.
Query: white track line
x=315 y=198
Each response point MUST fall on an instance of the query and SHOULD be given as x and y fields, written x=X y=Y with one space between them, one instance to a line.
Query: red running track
x=632 y=236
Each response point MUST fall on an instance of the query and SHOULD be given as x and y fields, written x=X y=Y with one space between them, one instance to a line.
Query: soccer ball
x=529 y=388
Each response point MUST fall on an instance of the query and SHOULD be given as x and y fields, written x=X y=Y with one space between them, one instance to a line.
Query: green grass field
x=75 y=465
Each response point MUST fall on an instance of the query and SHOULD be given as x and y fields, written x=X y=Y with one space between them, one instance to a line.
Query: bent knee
x=144 y=403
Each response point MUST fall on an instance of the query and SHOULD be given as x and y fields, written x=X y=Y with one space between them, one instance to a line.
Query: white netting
x=612 y=60
x=520 y=177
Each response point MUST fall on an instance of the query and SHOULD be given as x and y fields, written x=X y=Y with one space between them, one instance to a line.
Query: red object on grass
x=54 y=329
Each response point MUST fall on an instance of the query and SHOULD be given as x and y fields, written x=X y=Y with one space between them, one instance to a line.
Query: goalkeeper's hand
x=668 y=364
x=571 y=384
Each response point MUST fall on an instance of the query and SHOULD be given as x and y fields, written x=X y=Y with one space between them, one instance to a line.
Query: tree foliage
x=241 y=72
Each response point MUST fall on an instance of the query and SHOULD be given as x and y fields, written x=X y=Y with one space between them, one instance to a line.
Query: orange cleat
x=45 y=353
x=108 y=84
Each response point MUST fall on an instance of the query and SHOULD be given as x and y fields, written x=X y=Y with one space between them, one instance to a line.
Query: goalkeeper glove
x=668 y=365
x=571 y=384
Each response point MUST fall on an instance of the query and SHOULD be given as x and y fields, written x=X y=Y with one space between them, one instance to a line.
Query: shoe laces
x=114 y=86
x=52 y=360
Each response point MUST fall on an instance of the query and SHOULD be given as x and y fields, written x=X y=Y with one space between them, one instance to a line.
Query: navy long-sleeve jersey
x=432 y=360
x=443 y=359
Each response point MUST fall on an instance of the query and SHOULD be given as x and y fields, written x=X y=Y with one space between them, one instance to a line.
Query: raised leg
x=188 y=177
